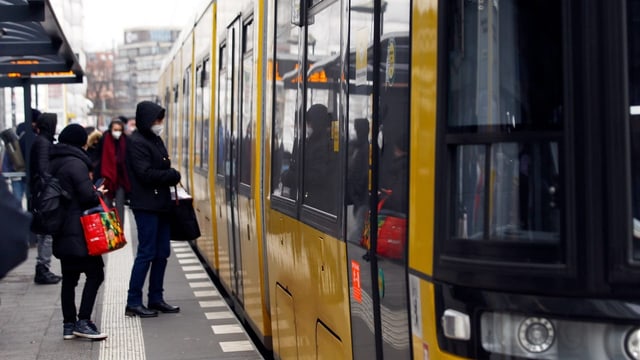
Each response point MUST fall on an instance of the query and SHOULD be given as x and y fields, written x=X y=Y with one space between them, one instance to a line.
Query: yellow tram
x=426 y=179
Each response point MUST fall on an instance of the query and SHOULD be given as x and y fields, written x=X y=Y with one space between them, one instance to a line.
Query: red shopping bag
x=392 y=232
x=102 y=230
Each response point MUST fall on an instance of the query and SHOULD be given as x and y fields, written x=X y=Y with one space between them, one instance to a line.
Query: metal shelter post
x=26 y=89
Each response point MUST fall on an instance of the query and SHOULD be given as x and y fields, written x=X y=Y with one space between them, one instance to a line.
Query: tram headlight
x=632 y=344
x=456 y=325
x=536 y=335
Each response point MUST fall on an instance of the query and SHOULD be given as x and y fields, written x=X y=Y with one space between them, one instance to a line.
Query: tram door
x=378 y=178
x=232 y=156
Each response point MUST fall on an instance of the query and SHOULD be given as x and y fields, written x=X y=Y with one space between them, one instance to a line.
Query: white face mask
x=116 y=134
x=157 y=129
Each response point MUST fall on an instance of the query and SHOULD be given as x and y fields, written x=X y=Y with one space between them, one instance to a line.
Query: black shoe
x=140 y=311
x=45 y=277
x=164 y=307
x=67 y=331
x=87 y=329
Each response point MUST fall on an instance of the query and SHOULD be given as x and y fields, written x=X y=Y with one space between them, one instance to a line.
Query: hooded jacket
x=71 y=165
x=148 y=163
x=39 y=159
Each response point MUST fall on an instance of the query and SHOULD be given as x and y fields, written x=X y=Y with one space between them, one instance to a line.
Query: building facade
x=137 y=66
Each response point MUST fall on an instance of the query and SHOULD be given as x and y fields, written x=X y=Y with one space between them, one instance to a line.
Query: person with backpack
x=39 y=174
x=71 y=165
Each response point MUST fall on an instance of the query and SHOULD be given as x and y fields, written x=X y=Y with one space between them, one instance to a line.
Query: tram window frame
x=286 y=204
x=206 y=112
x=297 y=80
x=202 y=116
x=452 y=250
x=198 y=120
x=246 y=159
x=632 y=43
x=327 y=221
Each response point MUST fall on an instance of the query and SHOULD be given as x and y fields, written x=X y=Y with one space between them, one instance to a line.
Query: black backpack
x=49 y=207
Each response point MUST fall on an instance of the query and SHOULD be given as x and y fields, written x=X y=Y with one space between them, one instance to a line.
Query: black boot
x=44 y=276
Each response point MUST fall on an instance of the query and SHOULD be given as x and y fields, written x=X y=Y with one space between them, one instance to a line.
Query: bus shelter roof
x=33 y=47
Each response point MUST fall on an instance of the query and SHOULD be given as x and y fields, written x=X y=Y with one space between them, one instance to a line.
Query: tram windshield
x=504 y=123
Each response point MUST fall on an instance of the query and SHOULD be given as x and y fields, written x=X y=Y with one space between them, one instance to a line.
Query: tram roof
x=33 y=47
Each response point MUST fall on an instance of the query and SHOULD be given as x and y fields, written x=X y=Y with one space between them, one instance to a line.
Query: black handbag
x=183 y=222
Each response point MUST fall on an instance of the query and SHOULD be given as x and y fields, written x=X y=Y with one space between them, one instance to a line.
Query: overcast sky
x=105 y=21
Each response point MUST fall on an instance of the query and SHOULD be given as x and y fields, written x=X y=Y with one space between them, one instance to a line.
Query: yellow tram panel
x=202 y=113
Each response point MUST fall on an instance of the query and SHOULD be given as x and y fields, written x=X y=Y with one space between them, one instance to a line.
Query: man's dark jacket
x=40 y=149
x=71 y=165
x=148 y=163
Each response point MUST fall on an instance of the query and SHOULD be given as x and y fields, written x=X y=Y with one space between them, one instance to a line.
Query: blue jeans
x=153 y=252
x=45 y=249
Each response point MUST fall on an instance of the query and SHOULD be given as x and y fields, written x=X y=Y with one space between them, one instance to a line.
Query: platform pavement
x=31 y=316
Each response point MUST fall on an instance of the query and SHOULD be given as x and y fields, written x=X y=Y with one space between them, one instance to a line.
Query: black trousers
x=93 y=268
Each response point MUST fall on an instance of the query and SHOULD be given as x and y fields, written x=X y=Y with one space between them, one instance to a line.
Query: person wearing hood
x=71 y=165
x=111 y=153
x=151 y=177
x=26 y=141
x=38 y=175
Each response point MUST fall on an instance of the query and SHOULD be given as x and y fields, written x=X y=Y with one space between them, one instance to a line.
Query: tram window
x=633 y=11
x=505 y=70
x=320 y=150
x=222 y=111
x=186 y=101
x=174 y=123
x=246 y=135
x=469 y=191
x=284 y=180
x=206 y=112
x=198 y=116
x=202 y=116
x=505 y=78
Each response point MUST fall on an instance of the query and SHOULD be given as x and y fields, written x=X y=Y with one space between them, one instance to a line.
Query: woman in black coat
x=151 y=178
x=70 y=164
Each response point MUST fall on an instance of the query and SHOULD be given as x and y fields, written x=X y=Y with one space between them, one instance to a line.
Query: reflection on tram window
x=496 y=70
x=321 y=145
x=246 y=136
x=633 y=11
x=222 y=112
x=523 y=192
x=469 y=192
x=319 y=161
x=287 y=64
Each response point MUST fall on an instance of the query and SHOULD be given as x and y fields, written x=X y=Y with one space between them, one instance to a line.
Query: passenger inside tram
x=319 y=160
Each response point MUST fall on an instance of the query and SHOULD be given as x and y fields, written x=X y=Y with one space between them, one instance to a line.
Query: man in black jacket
x=151 y=177
x=70 y=164
x=39 y=173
